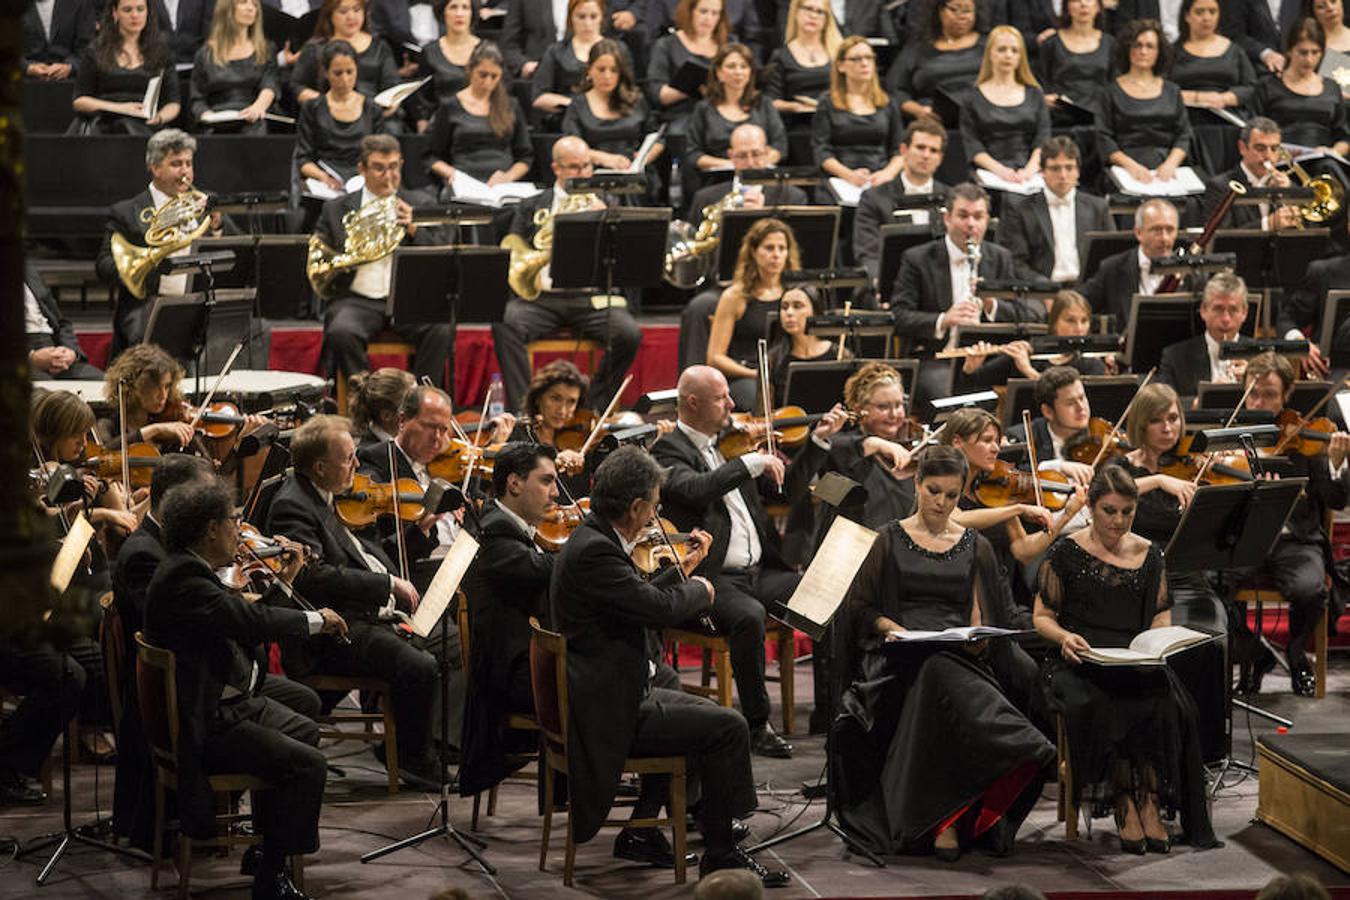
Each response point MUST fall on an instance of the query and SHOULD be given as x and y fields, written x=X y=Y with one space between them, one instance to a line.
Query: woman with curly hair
x=149 y=380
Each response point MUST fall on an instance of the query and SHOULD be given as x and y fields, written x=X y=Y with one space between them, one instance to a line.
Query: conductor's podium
x=1305 y=791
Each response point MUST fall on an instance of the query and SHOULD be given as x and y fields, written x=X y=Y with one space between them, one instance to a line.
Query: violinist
x=150 y=379
x=549 y=409
x=1065 y=412
x=362 y=582
x=1223 y=309
x=1070 y=316
x=1298 y=562
x=375 y=401
x=226 y=725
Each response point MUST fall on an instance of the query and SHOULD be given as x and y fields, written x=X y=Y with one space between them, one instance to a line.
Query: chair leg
x=787 y=673
x=473 y=820
x=390 y=744
x=570 y=857
x=184 y=865
x=677 y=805
x=724 y=678
x=548 y=815
x=157 y=847
x=298 y=871
x=705 y=670
x=492 y=801
x=1320 y=648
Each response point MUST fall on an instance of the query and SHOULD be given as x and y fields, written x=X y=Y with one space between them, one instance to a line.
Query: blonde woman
x=235 y=70
x=799 y=71
x=857 y=129
x=1005 y=119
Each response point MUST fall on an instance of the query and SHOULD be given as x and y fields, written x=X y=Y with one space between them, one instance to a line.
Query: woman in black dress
x=701 y=30
x=1074 y=63
x=794 y=342
x=799 y=71
x=329 y=131
x=1330 y=14
x=930 y=751
x=732 y=99
x=116 y=69
x=1070 y=316
x=1005 y=120
x=481 y=131
x=1307 y=106
x=946 y=55
x=445 y=59
x=857 y=129
x=1132 y=731
x=742 y=316
x=609 y=113
x=1146 y=129
x=376 y=68
x=235 y=70
x=564 y=64
x=1213 y=72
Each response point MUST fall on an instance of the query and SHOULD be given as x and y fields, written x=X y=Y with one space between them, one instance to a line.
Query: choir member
x=235 y=69
x=334 y=125
x=54 y=35
x=857 y=130
x=742 y=21
x=1330 y=14
x=185 y=26
x=1075 y=62
x=945 y=56
x=701 y=31
x=345 y=21
x=481 y=131
x=446 y=59
x=114 y=72
x=1005 y=121
x=1223 y=309
x=609 y=112
x=1307 y=105
x=800 y=70
x=529 y=28
x=1210 y=69
x=1146 y=129
x=1257 y=31
x=732 y=99
x=564 y=63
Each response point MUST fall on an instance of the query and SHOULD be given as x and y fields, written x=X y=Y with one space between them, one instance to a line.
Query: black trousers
x=717 y=743
x=529 y=320
x=1300 y=574
x=738 y=612
x=695 y=325
x=350 y=322
x=263 y=737
x=51 y=684
x=413 y=676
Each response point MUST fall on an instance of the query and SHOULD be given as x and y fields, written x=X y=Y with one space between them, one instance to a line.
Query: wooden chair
x=1261 y=593
x=548 y=672
x=157 y=690
x=112 y=640
x=333 y=725
x=565 y=342
x=715 y=677
x=1068 y=810
x=516 y=721
x=383 y=343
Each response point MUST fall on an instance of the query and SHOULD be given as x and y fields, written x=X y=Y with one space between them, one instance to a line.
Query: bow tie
x=1057 y=202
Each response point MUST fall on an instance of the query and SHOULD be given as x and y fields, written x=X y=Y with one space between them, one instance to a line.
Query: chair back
x=112 y=640
x=465 y=641
x=157 y=690
x=548 y=680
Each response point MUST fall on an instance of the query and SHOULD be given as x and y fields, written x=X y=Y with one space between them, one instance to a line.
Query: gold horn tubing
x=168 y=229
x=1328 y=192
x=373 y=232
x=689 y=257
x=530 y=258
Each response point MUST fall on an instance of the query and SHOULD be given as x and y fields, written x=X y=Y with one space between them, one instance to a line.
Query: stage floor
x=359 y=816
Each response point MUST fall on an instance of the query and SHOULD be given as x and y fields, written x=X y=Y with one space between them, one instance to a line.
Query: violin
x=105 y=464
x=1004 y=485
x=452 y=464
x=574 y=434
x=476 y=427
x=559 y=523
x=1229 y=467
x=791 y=427
x=368 y=499
x=1099 y=440
x=1305 y=436
x=659 y=549
x=257 y=554
x=218 y=420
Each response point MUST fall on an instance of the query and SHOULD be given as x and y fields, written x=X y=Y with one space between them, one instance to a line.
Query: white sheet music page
x=827 y=580
x=71 y=553
x=444 y=585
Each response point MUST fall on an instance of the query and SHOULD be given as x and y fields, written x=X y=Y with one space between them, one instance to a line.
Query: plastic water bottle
x=496 y=396
x=676 y=185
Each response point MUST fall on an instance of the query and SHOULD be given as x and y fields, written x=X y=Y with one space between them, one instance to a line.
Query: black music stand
x=613 y=247
x=1215 y=395
x=815 y=227
x=253 y=204
x=856 y=326
x=450 y=284
x=1103 y=244
x=782 y=176
x=1271 y=259
x=817 y=385
x=1159 y=320
x=273 y=264
x=201 y=328
x=1108 y=395
x=1335 y=313
x=895 y=241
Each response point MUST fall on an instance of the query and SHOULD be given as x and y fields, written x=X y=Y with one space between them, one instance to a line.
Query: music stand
x=991 y=332
x=1104 y=244
x=1108 y=395
x=1159 y=320
x=1215 y=395
x=857 y=325
x=1334 y=313
x=202 y=328
x=1272 y=259
x=815 y=227
x=448 y=284
x=895 y=240
x=273 y=264
x=783 y=176
x=817 y=385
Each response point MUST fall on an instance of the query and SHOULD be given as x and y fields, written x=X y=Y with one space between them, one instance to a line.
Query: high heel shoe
x=1157 y=845
x=1137 y=846
x=948 y=854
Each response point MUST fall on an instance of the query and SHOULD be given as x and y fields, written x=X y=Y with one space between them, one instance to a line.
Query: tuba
x=1328 y=193
x=689 y=251
x=529 y=258
x=373 y=232
x=168 y=229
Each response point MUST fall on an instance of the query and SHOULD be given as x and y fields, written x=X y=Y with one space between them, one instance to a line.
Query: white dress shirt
x=34 y=322
x=1064 y=230
x=838 y=8
x=1169 y=11
x=959 y=269
x=446 y=530
x=1220 y=370
x=916 y=216
x=1148 y=282
x=170 y=285
x=743 y=547
x=372 y=279
x=172 y=7
x=560 y=18
x=423 y=24
x=372 y=562
x=295 y=8
x=45 y=10
x=1258 y=181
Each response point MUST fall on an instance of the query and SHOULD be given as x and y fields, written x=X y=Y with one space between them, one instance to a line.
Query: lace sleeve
x=1163 y=598
x=1051 y=587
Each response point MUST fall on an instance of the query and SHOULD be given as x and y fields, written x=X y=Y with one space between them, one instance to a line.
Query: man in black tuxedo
x=705 y=490
x=224 y=724
x=53 y=349
x=1257 y=32
x=1065 y=412
x=357 y=311
x=932 y=289
x=1298 y=562
x=921 y=149
x=1120 y=277
x=749 y=149
x=528 y=320
x=1258 y=144
x=1047 y=231
x=1223 y=309
x=1301 y=312
x=360 y=580
x=54 y=33
x=168 y=156
x=607 y=611
x=185 y=26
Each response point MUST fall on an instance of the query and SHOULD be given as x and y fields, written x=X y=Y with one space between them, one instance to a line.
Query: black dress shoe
x=421 y=773
x=20 y=791
x=251 y=861
x=1259 y=670
x=766 y=742
x=1304 y=682
x=648 y=845
x=739 y=859
x=276 y=886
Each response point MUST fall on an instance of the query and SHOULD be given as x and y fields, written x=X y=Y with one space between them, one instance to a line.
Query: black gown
x=710 y=133
x=1115 y=716
x=320 y=137
x=117 y=85
x=855 y=140
x=786 y=79
x=376 y=69
x=447 y=78
x=1318 y=121
x=918 y=72
x=1007 y=133
x=235 y=85
x=1215 y=140
x=467 y=142
x=1145 y=130
x=668 y=55
x=1081 y=77
x=926 y=737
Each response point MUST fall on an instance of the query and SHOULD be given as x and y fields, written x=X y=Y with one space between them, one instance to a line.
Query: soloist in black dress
x=1119 y=718
x=928 y=738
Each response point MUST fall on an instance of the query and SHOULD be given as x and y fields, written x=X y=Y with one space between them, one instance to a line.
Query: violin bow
x=1106 y=441
x=765 y=392
x=1209 y=457
x=703 y=618
x=126 y=448
x=1308 y=417
x=1031 y=457
x=42 y=464
x=220 y=379
x=609 y=410
x=472 y=448
x=289 y=590
x=398 y=522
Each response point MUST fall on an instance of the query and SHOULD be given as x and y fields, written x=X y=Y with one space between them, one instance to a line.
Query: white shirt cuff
x=938 y=329
x=992 y=315
x=822 y=443
x=1265 y=54
x=754 y=463
x=1337 y=471
x=1293 y=334
x=315 y=621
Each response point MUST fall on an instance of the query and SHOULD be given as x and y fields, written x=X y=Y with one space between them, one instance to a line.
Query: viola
x=105 y=464
x=1005 y=484
x=453 y=462
x=256 y=553
x=1308 y=437
x=559 y=524
x=1087 y=446
x=368 y=499
x=656 y=550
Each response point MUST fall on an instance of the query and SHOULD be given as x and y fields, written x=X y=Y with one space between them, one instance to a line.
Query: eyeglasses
x=574 y=167
x=383 y=168
x=748 y=154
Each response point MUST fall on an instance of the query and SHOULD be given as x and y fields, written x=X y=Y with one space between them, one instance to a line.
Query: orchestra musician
x=375 y=399
x=705 y=490
x=598 y=318
x=356 y=576
x=49 y=684
x=606 y=611
x=1119 y=277
x=1070 y=316
x=356 y=310
x=225 y=724
x=149 y=379
x=1047 y=231
x=1065 y=412
x=1298 y=562
x=549 y=409
x=1133 y=732
x=1223 y=309
x=1259 y=145
x=168 y=156
x=53 y=350
x=1302 y=310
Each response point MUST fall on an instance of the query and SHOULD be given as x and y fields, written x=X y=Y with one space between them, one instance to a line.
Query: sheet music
x=827 y=580
x=470 y=190
x=848 y=193
x=1033 y=185
x=1186 y=182
x=398 y=93
x=71 y=553
x=444 y=585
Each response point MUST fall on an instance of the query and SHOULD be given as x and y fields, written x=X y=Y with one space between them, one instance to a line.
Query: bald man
x=529 y=320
